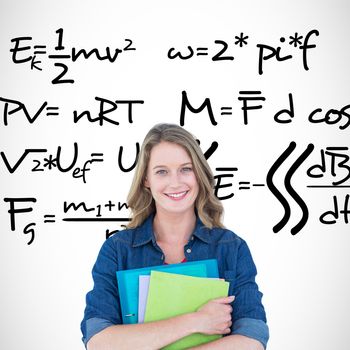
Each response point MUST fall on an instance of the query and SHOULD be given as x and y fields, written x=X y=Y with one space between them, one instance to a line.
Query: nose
x=175 y=180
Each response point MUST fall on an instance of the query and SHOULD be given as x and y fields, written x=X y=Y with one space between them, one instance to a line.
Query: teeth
x=176 y=195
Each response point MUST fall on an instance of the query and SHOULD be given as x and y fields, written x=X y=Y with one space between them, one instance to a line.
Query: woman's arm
x=232 y=342
x=249 y=319
x=213 y=318
x=152 y=335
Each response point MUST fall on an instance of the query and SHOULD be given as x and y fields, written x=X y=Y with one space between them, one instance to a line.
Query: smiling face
x=171 y=179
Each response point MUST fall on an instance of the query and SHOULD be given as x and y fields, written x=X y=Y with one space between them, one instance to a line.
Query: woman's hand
x=215 y=316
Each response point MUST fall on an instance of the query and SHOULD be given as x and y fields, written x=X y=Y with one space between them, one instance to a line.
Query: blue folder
x=128 y=282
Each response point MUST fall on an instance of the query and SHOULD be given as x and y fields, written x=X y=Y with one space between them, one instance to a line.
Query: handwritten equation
x=252 y=101
x=333 y=163
x=53 y=161
x=108 y=111
x=81 y=207
x=103 y=114
x=220 y=52
x=24 y=51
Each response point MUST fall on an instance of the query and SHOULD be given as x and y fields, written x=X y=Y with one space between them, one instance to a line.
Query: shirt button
x=192 y=238
x=188 y=250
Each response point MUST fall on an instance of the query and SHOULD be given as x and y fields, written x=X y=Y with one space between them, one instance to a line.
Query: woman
x=175 y=218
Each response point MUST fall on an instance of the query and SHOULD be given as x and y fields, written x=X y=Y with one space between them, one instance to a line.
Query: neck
x=174 y=228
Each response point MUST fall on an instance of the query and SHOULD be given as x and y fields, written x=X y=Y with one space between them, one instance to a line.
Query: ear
x=146 y=183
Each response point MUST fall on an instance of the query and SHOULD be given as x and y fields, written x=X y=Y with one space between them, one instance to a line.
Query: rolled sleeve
x=94 y=326
x=252 y=328
x=102 y=302
x=248 y=318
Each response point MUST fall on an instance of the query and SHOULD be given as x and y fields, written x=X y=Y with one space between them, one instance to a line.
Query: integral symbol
x=289 y=188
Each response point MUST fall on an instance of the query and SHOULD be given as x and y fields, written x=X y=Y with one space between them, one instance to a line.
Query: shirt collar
x=144 y=233
x=202 y=232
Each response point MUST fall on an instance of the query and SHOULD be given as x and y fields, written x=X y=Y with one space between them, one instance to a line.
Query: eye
x=161 y=172
x=186 y=169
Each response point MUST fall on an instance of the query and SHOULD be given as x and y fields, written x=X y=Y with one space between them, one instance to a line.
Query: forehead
x=166 y=153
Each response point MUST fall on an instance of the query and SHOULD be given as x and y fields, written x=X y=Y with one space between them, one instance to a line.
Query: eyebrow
x=164 y=166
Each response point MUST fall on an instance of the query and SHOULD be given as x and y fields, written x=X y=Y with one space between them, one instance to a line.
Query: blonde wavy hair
x=140 y=200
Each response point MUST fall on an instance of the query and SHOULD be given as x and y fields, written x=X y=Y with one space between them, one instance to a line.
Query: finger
x=224 y=330
x=227 y=331
x=228 y=319
x=224 y=327
x=228 y=308
x=225 y=300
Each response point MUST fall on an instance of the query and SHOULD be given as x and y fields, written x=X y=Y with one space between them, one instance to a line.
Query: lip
x=177 y=196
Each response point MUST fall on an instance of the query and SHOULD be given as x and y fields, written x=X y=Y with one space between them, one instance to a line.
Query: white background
x=304 y=278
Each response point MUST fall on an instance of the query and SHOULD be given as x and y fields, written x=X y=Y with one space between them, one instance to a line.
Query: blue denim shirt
x=135 y=248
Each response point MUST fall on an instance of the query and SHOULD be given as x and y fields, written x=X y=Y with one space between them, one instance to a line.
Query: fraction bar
x=250 y=92
x=226 y=169
x=328 y=186
x=95 y=219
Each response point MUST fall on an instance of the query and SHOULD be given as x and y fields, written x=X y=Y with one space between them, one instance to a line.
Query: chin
x=177 y=211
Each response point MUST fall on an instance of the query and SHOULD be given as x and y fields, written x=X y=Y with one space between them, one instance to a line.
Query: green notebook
x=172 y=295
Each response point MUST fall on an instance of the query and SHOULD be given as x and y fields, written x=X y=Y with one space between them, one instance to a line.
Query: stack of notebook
x=159 y=292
